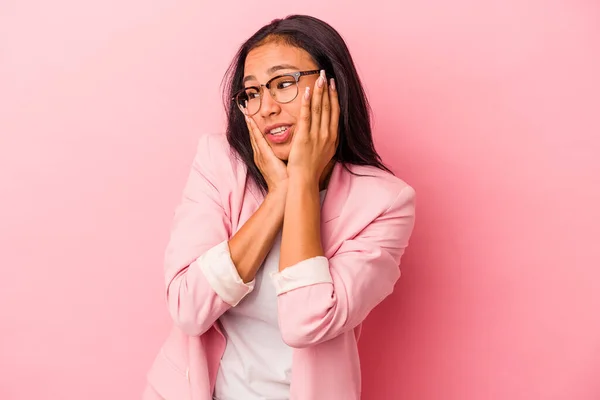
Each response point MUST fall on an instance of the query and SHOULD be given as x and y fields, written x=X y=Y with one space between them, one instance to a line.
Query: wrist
x=278 y=191
x=275 y=200
x=303 y=179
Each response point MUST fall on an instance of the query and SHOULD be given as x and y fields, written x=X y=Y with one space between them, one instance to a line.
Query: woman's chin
x=282 y=154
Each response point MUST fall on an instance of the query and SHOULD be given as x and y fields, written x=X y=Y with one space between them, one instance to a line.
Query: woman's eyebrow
x=278 y=67
x=271 y=70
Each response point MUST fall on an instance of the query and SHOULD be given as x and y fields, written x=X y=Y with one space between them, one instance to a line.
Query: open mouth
x=278 y=135
x=279 y=131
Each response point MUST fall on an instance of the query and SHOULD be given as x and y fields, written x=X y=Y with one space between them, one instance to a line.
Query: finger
x=255 y=149
x=335 y=110
x=259 y=138
x=304 y=120
x=325 y=113
x=251 y=127
x=317 y=103
x=251 y=131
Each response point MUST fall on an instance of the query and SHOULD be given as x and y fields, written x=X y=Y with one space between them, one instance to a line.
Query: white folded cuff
x=222 y=276
x=305 y=273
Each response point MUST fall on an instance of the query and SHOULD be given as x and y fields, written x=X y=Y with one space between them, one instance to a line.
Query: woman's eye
x=252 y=94
x=284 y=85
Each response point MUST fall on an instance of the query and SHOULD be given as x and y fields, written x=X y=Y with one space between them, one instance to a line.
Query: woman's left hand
x=314 y=143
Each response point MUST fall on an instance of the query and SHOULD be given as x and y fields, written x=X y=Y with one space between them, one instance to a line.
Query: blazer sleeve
x=320 y=298
x=201 y=279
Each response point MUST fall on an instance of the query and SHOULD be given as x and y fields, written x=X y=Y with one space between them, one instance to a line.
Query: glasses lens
x=284 y=89
x=249 y=100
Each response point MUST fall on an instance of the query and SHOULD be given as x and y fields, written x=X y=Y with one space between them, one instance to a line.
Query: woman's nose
x=268 y=106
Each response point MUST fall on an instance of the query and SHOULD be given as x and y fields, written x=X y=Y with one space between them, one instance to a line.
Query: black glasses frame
x=296 y=75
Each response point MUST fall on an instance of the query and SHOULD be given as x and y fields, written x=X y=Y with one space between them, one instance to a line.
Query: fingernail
x=332 y=84
x=322 y=78
x=307 y=92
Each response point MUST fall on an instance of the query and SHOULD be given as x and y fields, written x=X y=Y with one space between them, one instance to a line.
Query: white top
x=257 y=364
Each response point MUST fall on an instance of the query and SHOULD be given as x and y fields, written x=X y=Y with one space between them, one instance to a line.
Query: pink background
x=489 y=110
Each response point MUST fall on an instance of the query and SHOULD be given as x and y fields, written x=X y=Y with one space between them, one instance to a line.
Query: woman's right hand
x=272 y=168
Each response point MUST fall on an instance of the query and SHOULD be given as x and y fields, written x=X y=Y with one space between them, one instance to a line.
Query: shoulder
x=379 y=186
x=214 y=152
x=215 y=157
x=374 y=203
x=373 y=195
x=213 y=146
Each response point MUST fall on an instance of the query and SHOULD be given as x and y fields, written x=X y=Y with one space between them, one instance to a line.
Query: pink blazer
x=366 y=225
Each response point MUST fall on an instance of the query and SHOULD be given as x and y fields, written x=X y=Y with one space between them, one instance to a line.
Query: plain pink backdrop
x=489 y=109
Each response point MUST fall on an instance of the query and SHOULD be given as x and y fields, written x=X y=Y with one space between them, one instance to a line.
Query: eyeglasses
x=283 y=89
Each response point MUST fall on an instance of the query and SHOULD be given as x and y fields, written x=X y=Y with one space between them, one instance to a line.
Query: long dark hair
x=329 y=52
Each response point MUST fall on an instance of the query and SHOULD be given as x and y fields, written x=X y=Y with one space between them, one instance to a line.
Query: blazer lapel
x=337 y=193
x=335 y=199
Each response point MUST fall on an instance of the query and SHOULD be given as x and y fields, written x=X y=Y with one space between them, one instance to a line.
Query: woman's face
x=263 y=63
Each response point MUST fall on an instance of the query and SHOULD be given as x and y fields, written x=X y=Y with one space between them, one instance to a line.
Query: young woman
x=289 y=233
